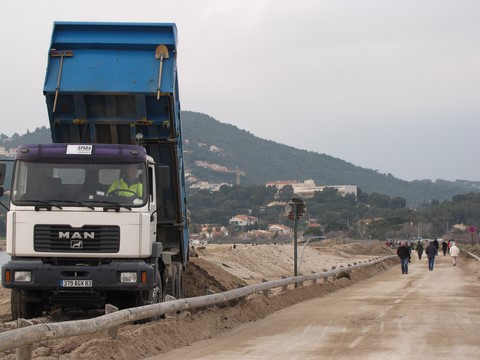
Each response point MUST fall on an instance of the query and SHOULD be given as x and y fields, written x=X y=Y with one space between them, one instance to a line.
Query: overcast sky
x=387 y=85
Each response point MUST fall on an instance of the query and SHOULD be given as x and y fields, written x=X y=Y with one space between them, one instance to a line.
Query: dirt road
x=422 y=315
x=218 y=268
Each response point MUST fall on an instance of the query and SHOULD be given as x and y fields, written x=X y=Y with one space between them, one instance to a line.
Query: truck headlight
x=128 y=277
x=23 y=276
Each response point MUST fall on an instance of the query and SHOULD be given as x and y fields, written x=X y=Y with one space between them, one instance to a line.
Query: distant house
x=460 y=227
x=206 y=232
x=243 y=220
x=211 y=232
x=259 y=234
x=279 y=228
x=219 y=233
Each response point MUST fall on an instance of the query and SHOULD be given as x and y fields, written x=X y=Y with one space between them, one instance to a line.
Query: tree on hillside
x=328 y=194
x=379 y=200
x=398 y=202
x=285 y=193
x=313 y=231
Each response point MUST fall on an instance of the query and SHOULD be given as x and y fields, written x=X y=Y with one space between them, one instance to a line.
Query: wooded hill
x=264 y=160
x=209 y=141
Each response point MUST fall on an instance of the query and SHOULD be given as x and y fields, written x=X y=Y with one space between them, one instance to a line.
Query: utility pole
x=295 y=221
x=295 y=208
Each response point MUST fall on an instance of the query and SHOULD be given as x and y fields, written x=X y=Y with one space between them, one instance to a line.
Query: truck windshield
x=79 y=184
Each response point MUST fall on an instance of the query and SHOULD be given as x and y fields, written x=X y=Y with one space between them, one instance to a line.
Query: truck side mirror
x=3 y=170
x=162 y=174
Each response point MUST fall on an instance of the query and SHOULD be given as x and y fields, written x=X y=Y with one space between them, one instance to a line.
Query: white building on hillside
x=307 y=188
x=243 y=220
x=279 y=228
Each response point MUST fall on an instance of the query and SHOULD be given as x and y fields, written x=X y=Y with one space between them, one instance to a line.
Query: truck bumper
x=117 y=275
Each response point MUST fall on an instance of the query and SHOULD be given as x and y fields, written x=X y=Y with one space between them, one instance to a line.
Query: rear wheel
x=25 y=304
x=175 y=282
x=180 y=287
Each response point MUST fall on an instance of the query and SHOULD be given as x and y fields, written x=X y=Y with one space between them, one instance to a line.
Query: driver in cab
x=128 y=185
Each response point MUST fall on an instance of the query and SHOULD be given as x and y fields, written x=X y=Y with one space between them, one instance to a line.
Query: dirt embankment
x=218 y=268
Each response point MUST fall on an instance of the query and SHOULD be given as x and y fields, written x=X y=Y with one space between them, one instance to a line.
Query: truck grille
x=87 y=239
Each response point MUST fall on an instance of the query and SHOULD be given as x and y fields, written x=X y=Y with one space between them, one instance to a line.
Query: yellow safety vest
x=120 y=184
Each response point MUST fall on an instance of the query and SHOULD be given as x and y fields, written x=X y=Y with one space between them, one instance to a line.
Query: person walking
x=435 y=243
x=420 y=250
x=454 y=252
x=431 y=252
x=450 y=242
x=444 y=247
x=403 y=253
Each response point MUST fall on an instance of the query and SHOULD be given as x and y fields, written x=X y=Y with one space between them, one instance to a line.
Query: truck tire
x=180 y=287
x=24 y=305
x=135 y=299
x=175 y=282
x=154 y=296
x=157 y=295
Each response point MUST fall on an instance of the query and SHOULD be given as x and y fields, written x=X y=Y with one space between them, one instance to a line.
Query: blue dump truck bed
x=111 y=57
x=103 y=82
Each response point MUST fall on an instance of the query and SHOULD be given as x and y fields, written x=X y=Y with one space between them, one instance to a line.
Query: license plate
x=76 y=283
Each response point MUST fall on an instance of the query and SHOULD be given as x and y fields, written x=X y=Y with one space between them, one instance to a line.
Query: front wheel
x=156 y=295
x=24 y=304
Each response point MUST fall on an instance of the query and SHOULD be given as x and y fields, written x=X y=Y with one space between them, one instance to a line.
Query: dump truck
x=80 y=233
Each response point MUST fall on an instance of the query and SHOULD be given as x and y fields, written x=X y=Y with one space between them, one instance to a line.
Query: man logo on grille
x=76 y=244
x=76 y=235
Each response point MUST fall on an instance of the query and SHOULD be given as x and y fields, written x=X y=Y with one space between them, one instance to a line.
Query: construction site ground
x=217 y=268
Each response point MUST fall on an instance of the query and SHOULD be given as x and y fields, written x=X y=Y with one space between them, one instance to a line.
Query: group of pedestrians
x=405 y=249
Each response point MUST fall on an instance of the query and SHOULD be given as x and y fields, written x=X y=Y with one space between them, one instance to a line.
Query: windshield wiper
x=78 y=203
x=109 y=205
x=43 y=204
x=50 y=203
